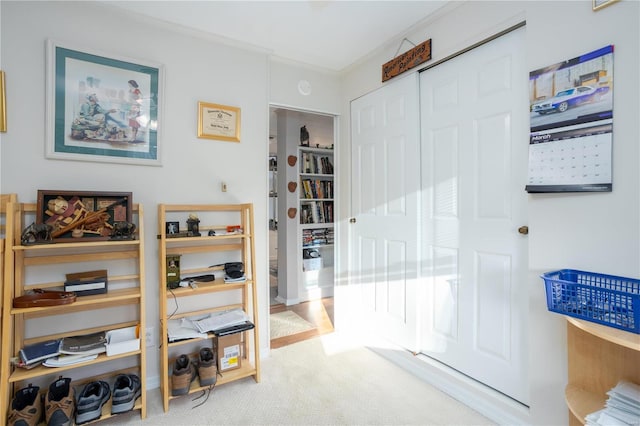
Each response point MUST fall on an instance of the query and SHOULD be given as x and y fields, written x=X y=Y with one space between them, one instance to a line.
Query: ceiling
x=329 y=34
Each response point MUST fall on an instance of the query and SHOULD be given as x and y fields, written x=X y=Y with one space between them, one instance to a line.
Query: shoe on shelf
x=59 y=403
x=26 y=407
x=207 y=369
x=183 y=374
x=93 y=396
x=126 y=389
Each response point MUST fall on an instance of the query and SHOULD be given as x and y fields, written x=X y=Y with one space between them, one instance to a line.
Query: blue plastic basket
x=604 y=299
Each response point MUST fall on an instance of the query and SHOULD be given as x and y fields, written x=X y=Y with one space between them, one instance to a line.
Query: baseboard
x=153 y=382
x=287 y=302
x=486 y=401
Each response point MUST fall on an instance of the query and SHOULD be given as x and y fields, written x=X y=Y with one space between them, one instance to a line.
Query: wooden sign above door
x=409 y=59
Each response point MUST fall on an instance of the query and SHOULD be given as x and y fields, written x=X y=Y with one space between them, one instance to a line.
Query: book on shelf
x=317 y=164
x=40 y=351
x=232 y=329
x=317 y=189
x=86 y=344
x=315 y=237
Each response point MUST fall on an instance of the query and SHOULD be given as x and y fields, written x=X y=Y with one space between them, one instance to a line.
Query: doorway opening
x=301 y=224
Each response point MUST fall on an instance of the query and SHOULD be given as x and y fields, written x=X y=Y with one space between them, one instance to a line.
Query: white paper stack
x=65 y=359
x=622 y=407
x=218 y=320
x=183 y=328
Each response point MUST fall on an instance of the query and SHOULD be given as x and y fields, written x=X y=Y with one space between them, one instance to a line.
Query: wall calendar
x=571 y=137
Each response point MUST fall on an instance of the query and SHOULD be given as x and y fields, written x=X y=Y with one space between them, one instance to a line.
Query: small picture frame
x=172 y=228
x=220 y=122
x=83 y=215
x=599 y=4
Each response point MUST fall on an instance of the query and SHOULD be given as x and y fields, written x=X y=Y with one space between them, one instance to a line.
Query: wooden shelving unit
x=125 y=293
x=598 y=358
x=5 y=199
x=197 y=255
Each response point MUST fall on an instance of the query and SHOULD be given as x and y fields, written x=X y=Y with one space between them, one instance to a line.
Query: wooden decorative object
x=95 y=213
x=291 y=160
x=409 y=59
x=292 y=186
x=292 y=212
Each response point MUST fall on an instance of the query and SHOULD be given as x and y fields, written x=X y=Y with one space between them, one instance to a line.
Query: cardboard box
x=87 y=283
x=229 y=352
x=122 y=340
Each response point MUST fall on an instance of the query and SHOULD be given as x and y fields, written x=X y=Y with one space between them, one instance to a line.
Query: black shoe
x=126 y=390
x=26 y=408
x=90 y=402
x=59 y=403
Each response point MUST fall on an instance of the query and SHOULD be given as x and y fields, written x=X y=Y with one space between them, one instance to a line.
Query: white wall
x=324 y=95
x=594 y=232
x=197 y=69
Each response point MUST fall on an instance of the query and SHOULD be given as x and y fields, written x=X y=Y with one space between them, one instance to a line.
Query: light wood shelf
x=127 y=255
x=217 y=294
x=598 y=358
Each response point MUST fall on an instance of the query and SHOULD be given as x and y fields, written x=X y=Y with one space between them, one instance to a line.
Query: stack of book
x=77 y=349
x=317 y=237
x=33 y=355
x=622 y=407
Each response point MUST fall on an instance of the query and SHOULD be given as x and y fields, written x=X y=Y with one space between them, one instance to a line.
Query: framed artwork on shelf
x=102 y=108
x=219 y=122
x=171 y=228
x=83 y=215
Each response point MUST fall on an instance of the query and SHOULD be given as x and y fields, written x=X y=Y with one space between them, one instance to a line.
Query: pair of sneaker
x=27 y=410
x=185 y=372
x=126 y=389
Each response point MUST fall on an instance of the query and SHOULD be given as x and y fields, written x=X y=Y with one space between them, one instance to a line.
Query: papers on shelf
x=223 y=319
x=183 y=328
x=622 y=408
x=228 y=279
x=64 y=359
x=198 y=326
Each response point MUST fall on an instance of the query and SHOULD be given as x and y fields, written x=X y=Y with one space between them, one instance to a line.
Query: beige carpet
x=287 y=323
x=327 y=380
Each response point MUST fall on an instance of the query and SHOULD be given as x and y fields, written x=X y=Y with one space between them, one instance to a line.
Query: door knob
x=524 y=230
x=352 y=220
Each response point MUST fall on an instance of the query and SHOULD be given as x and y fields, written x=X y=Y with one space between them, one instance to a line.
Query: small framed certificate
x=219 y=122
